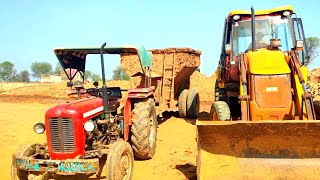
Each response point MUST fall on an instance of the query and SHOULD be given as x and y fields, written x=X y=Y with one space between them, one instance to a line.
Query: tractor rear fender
x=141 y=93
x=127 y=114
x=137 y=93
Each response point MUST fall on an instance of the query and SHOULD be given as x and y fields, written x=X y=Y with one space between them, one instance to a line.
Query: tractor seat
x=114 y=98
x=114 y=93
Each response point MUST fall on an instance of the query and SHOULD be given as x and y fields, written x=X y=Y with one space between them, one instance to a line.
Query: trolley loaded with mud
x=89 y=136
x=170 y=75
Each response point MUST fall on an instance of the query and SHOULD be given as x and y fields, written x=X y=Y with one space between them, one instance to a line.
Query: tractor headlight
x=39 y=128
x=89 y=126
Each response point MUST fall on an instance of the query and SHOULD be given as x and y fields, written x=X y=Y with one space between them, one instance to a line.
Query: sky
x=31 y=29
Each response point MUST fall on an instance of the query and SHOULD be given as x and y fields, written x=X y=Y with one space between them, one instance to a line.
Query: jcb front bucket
x=258 y=150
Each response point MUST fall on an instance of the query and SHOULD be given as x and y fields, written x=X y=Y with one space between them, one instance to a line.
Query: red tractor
x=90 y=135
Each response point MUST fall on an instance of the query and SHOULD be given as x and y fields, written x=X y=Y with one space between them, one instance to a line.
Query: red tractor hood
x=84 y=109
x=65 y=133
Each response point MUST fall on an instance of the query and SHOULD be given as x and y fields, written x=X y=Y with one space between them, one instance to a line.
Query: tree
x=92 y=76
x=25 y=76
x=119 y=74
x=7 y=71
x=57 y=69
x=312 y=49
x=88 y=74
x=95 y=77
x=39 y=68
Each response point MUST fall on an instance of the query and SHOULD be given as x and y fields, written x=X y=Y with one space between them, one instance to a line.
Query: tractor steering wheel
x=94 y=91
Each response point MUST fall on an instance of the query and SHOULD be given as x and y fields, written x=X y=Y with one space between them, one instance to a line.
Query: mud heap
x=314 y=83
x=184 y=57
x=53 y=90
x=204 y=85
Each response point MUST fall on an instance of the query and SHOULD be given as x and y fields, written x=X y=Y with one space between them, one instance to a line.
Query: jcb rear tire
x=18 y=174
x=193 y=104
x=119 y=164
x=144 y=129
x=182 y=103
x=220 y=111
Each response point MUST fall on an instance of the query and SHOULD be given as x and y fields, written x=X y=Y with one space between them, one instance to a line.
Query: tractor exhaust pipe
x=253 y=29
x=104 y=86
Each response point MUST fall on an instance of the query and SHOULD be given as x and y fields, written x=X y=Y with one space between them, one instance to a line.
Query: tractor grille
x=61 y=134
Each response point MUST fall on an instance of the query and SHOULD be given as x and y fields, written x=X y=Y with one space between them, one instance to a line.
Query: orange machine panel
x=271 y=97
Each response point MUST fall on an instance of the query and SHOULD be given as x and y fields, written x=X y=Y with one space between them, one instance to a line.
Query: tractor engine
x=79 y=126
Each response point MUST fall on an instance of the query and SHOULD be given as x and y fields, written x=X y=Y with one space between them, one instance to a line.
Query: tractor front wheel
x=144 y=129
x=18 y=174
x=119 y=164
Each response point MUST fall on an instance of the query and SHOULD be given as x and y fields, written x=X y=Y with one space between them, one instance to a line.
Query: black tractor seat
x=114 y=93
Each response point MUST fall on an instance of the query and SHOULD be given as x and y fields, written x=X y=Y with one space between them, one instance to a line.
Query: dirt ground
x=23 y=105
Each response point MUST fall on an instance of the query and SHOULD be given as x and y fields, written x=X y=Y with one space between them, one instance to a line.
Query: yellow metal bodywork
x=266 y=149
x=262 y=12
x=264 y=62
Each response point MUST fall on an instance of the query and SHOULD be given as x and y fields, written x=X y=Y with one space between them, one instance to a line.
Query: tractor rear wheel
x=193 y=104
x=182 y=103
x=220 y=111
x=18 y=174
x=144 y=129
x=119 y=164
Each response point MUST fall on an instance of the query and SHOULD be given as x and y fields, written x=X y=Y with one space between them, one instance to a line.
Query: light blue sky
x=31 y=29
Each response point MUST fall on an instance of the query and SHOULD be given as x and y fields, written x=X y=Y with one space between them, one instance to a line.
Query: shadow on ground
x=167 y=115
x=204 y=116
x=189 y=170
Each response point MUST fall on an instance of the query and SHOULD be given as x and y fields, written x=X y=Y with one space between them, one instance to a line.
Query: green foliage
x=198 y=69
x=119 y=74
x=23 y=76
x=88 y=74
x=39 y=68
x=95 y=77
x=92 y=76
x=7 y=71
x=57 y=69
x=312 y=47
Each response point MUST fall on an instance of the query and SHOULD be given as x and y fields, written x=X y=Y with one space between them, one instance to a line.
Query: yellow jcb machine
x=263 y=121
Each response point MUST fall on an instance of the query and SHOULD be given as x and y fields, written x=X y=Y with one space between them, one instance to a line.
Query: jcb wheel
x=220 y=111
x=182 y=103
x=193 y=104
x=144 y=129
x=18 y=174
x=119 y=164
